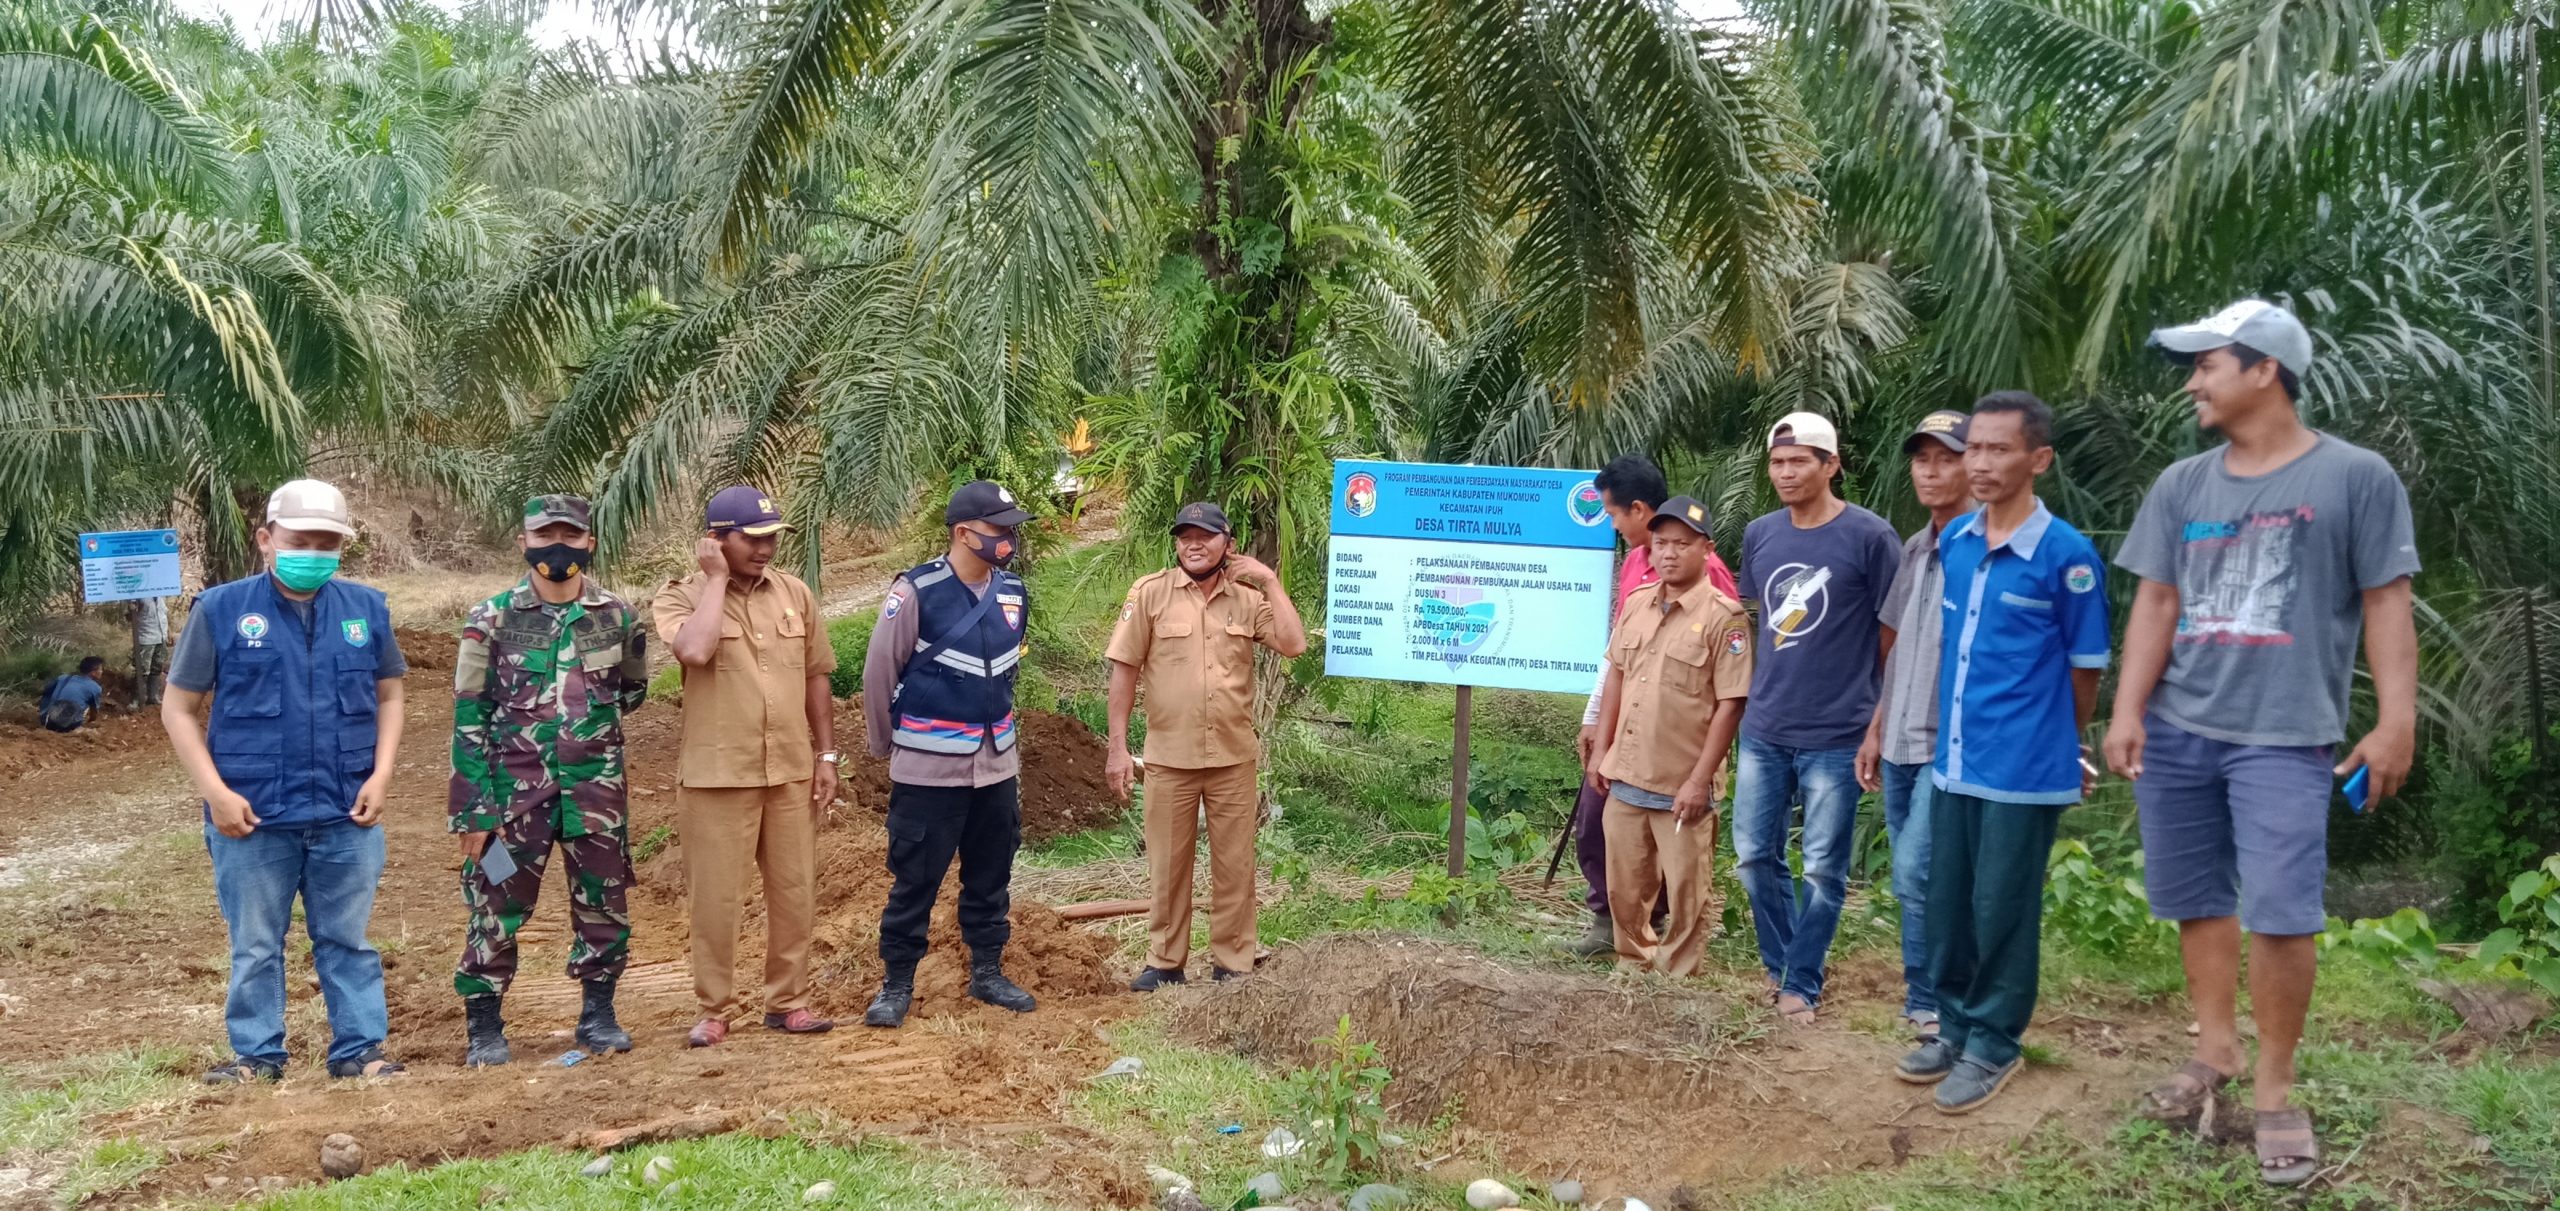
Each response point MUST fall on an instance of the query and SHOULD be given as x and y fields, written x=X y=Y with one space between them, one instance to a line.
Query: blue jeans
x=1907 y=792
x=334 y=868
x=1795 y=918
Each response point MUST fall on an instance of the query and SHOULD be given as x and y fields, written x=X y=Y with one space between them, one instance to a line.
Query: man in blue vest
x=293 y=767
x=937 y=700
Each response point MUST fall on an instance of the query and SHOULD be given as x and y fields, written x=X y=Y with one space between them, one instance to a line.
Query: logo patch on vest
x=355 y=632
x=1012 y=616
x=253 y=626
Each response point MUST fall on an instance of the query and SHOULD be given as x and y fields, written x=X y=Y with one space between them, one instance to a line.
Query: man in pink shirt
x=1631 y=488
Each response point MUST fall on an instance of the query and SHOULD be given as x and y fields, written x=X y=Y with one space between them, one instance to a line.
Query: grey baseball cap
x=2257 y=323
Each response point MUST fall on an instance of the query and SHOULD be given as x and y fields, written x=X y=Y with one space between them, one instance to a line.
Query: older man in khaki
x=1188 y=634
x=1679 y=670
x=758 y=761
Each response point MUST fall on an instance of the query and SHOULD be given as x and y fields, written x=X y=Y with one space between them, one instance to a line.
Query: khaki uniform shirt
x=1673 y=667
x=746 y=718
x=1194 y=656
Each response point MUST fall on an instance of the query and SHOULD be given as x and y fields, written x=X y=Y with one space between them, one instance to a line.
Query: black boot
x=597 y=1031
x=488 y=1033
x=897 y=995
x=987 y=983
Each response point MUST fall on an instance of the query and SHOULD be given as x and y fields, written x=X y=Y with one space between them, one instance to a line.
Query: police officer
x=542 y=678
x=1189 y=633
x=937 y=698
x=293 y=767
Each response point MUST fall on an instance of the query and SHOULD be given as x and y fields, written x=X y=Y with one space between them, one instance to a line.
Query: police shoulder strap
x=986 y=602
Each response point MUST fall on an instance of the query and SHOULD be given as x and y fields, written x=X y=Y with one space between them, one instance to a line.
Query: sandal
x=370 y=1063
x=242 y=1072
x=2184 y=1093
x=2288 y=1154
x=1801 y=1014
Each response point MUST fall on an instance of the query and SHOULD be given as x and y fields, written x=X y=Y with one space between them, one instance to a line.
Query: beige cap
x=308 y=504
x=1805 y=429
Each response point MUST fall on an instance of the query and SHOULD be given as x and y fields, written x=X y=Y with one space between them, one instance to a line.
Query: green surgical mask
x=306 y=571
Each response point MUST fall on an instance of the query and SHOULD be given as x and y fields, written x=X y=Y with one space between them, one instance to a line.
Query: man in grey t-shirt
x=1902 y=738
x=2260 y=561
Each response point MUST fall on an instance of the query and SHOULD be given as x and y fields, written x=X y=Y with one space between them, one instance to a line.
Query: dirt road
x=108 y=924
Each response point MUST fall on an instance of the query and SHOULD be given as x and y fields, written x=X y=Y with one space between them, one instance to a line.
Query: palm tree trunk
x=1235 y=158
x=2538 y=186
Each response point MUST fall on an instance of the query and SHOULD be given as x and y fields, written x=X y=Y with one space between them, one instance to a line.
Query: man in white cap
x=2260 y=560
x=1819 y=568
x=293 y=767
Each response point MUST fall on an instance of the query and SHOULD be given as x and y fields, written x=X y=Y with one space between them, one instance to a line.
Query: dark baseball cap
x=1202 y=515
x=1685 y=510
x=984 y=500
x=1947 y=427
x=744 y=509
x=557 y=507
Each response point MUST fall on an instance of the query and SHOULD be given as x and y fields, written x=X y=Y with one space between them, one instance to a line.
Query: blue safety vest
x=955 y=694
x=293 y=708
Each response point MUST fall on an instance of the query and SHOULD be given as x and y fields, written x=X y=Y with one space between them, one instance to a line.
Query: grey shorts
x=2234 y=829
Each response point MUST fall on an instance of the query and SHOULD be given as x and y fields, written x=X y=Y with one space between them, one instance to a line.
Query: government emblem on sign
x=1360 y=494
x=355 y=632
x=1584 y=505
x=253 y=626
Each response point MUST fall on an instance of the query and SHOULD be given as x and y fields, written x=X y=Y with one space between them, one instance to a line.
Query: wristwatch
x=829 y=756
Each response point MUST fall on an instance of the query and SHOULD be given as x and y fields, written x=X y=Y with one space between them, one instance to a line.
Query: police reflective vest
x=292 y=729
x=955 y=694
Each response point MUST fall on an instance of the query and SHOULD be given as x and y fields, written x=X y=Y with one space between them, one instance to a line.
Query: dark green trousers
x=1986 y=907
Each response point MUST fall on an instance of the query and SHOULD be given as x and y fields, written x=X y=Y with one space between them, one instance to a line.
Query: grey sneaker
x=1972 y=1083
x=1927 y=1063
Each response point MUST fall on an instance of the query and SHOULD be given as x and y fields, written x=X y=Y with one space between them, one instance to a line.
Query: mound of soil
x=27 y=748
x=1062 y=787
x=1634 y=1085
x=427 y=651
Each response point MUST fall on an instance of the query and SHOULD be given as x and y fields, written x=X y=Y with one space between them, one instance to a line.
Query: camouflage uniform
x=538 y=699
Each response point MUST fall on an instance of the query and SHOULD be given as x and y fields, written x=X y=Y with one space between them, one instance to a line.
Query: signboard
x=122 y=565
x=1463 y=575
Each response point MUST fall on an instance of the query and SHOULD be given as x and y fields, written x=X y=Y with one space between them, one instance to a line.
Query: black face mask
x=997 y=549
x=558 y=562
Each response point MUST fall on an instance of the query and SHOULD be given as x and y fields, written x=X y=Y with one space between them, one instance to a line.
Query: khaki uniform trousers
x=1647 y=850
x=729 y=832
x=1175 y=798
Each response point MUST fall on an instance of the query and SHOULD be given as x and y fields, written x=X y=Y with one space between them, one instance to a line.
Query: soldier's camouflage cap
x=557 y=507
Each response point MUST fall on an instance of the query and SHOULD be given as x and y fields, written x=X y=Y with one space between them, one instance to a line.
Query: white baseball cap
x=308 y=504
x=1805 y=429
x=2257 y=323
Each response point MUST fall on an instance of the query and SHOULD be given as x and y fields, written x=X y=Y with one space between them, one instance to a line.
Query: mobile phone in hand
x=2355 y=789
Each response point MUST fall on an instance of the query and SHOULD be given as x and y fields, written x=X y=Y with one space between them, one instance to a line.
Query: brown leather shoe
x=798 y=1021
x=709 y=1032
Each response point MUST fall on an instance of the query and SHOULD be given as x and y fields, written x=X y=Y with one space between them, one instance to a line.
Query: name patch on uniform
x=357 y=636
x=1009 y=599
x=1735 y=640
x=253 y=626
x=2080 y=578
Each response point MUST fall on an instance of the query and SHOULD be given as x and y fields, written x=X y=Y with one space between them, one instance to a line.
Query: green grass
x=727 y=1171
x=650 y=843
x=45 y=1110
x=1171 y=1112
